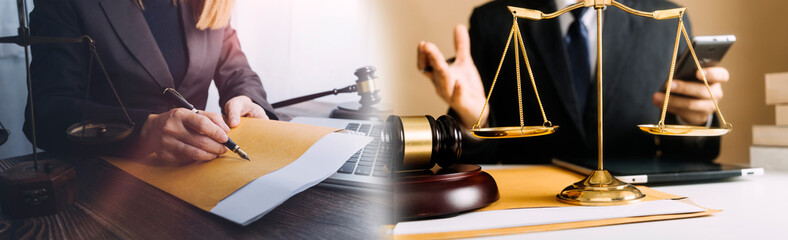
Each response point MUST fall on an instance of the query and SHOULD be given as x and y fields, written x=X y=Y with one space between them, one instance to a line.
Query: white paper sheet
x=262 y=195
x=540 y=216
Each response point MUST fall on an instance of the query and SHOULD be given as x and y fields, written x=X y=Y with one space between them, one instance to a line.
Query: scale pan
x=513 y=132
x=99 y=131
x=683 y=130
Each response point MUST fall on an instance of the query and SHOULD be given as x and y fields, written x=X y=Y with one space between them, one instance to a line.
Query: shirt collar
x=588 y=19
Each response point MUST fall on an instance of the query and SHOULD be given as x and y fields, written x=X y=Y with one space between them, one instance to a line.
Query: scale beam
x=539 y=15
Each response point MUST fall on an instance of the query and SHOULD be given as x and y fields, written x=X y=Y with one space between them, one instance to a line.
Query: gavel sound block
x=444 y=191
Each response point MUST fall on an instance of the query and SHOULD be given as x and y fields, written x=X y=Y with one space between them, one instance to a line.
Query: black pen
x=180 y=101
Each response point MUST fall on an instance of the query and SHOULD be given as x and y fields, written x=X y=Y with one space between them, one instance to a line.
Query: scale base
x=600 y=189
x=25 y=192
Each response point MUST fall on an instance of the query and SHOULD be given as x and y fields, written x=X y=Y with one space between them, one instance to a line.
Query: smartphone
x=709 y=49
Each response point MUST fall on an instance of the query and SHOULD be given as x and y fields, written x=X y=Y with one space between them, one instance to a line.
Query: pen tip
x=243 y=155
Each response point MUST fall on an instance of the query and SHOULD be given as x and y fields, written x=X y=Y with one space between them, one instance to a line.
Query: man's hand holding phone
x=690 y=100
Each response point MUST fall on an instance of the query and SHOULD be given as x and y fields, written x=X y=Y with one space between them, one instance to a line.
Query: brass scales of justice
x=600 y=188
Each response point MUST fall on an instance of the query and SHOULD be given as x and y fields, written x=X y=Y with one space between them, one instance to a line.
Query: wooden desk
x=112 y=204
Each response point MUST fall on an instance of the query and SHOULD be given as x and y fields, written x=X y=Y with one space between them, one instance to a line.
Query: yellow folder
x=270 y=144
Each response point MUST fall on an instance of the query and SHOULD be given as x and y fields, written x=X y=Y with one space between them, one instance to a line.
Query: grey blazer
x=135 y=64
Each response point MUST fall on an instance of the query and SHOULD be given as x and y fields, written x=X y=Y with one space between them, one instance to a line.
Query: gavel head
x=420 y=142
x=367 y=87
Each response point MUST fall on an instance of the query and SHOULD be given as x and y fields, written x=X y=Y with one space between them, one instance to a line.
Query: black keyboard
x=373 y=159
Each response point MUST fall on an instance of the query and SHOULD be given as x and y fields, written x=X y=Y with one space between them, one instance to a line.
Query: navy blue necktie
x=579 y=63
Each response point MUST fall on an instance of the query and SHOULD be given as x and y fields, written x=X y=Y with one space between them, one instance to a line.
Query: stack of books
x=770 y=142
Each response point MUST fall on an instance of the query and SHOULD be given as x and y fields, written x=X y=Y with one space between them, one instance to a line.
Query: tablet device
x=641 y=170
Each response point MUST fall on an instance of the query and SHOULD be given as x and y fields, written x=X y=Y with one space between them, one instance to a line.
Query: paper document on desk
x=540 y=216
x=273 y=146
x=527 y=204
x=262 y=195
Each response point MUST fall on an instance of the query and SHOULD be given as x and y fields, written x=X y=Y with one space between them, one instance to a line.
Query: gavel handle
x=335 y=91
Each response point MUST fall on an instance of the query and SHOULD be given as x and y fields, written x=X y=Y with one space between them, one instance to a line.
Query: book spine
x=763 y=135
x=769 y=158
x=781 y=114
x=776 y=88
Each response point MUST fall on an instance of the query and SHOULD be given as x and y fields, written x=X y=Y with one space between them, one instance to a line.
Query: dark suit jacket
x=135 y=64
x=636 y=61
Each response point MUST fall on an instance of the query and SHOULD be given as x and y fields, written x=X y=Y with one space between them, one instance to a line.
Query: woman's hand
x=181 y=136
x=242 y=106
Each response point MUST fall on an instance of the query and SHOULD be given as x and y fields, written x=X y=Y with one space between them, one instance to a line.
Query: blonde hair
x=213 y=14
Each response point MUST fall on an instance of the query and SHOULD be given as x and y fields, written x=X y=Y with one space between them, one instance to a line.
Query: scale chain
x=495 y=79
x=703 y=75
x=519 y=45
x=546 y=122
x=517 y=67
x=661 y=123
x=679 y=32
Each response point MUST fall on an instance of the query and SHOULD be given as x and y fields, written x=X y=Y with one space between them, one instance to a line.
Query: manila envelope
x=270 y=145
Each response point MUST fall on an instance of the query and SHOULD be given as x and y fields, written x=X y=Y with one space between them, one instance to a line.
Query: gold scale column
x=600 y=188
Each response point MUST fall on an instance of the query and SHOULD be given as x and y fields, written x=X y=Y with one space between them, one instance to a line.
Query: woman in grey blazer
x=146 y=45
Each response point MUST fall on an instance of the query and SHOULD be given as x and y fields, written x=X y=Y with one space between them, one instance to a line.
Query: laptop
x=640 y=170
x=366 y=169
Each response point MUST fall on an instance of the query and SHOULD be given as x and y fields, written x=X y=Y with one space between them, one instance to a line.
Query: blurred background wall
x=13 y=87
x=759 y=26
x=301 y=47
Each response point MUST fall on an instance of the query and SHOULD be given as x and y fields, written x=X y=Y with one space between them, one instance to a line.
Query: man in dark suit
x=562 y=53
x=145 y=49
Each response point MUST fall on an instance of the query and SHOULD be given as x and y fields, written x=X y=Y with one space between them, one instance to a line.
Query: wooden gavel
x=421 y=142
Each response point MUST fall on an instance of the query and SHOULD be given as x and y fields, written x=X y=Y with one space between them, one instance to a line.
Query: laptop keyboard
x=373 y=159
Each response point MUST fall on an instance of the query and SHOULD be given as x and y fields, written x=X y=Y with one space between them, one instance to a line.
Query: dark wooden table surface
x=112 y=204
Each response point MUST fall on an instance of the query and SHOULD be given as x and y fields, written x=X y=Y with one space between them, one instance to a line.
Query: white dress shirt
x=589 y=20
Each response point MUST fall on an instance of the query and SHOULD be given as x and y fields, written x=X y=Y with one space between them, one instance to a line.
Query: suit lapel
x=133 y=31
x=196 y=41
x=546 y=35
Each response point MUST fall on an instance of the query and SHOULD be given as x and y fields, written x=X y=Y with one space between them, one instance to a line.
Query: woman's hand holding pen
x=180 y=136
